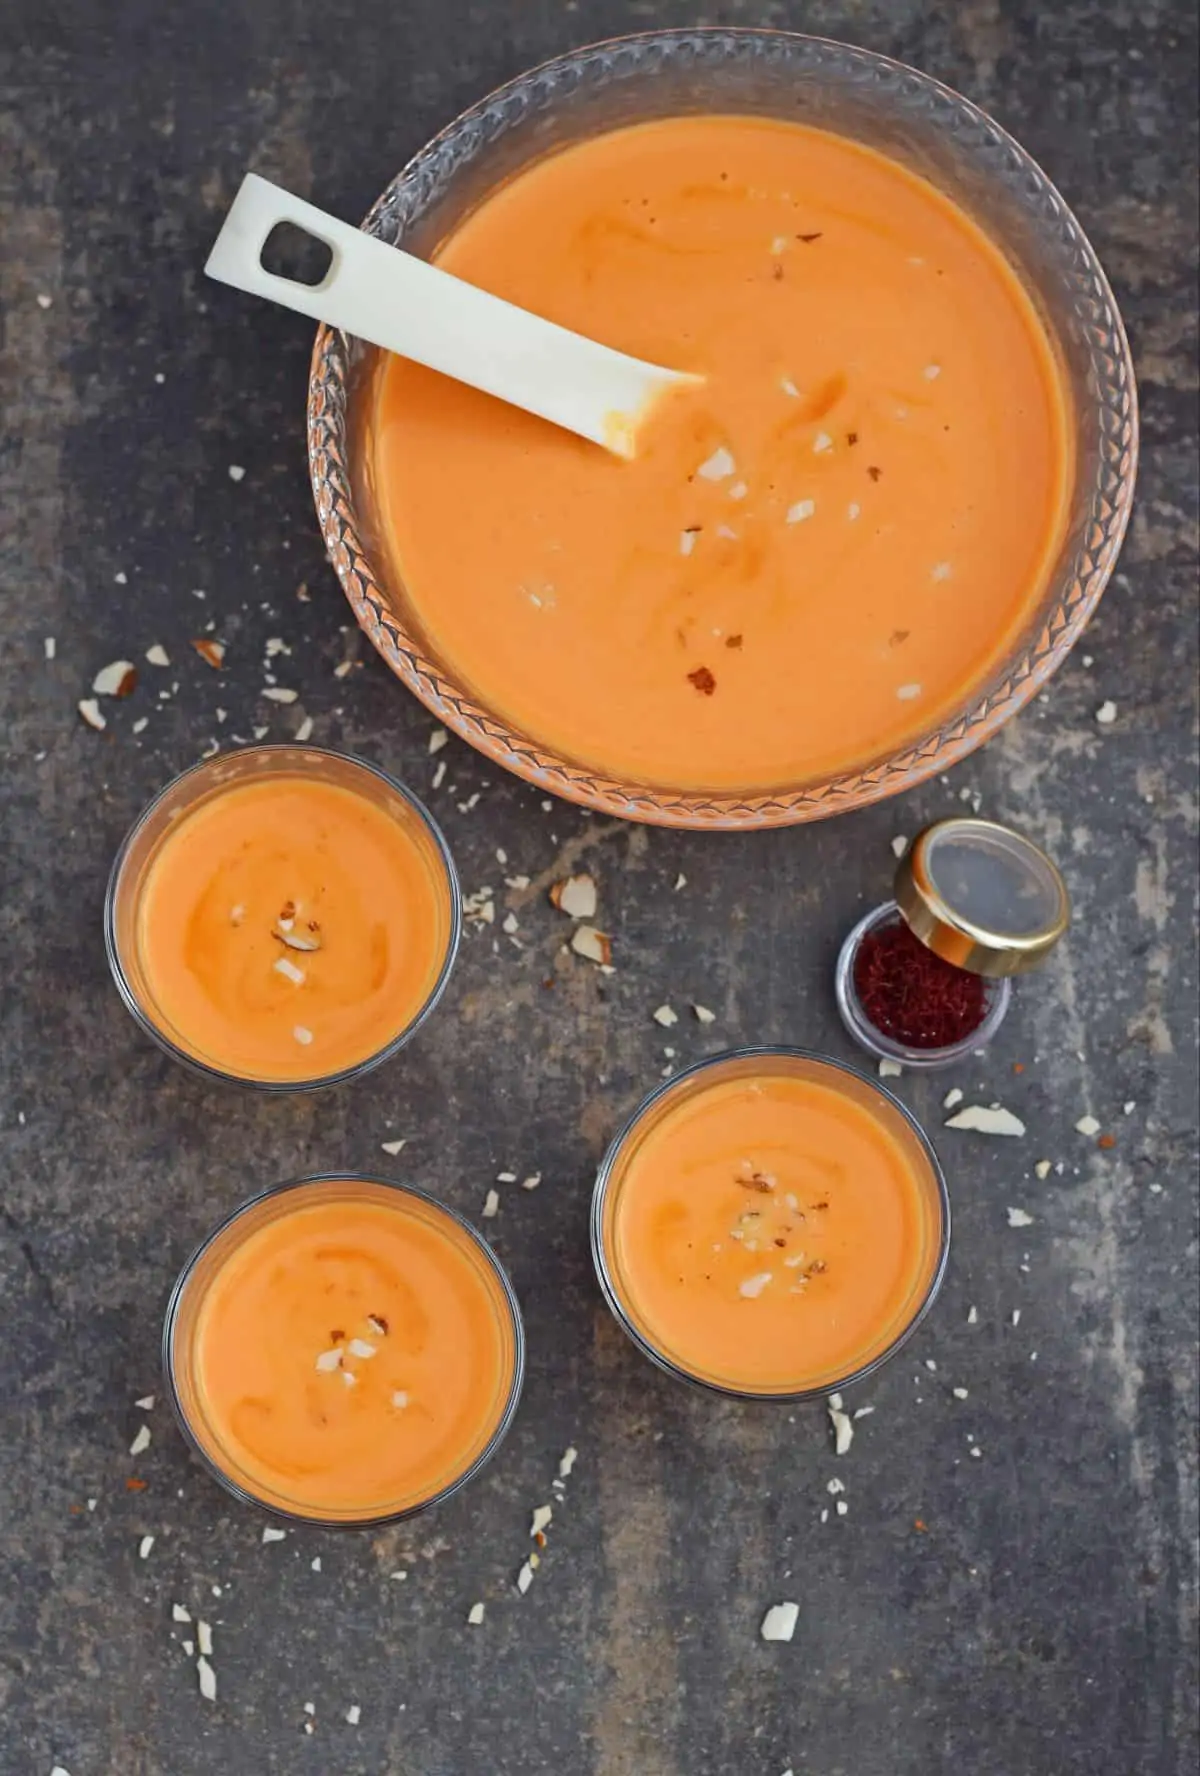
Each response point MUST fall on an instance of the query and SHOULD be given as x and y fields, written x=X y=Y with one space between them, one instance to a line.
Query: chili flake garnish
x=733 y=641
x=809 y=238
x=703 y=680
x=874 y=473
x=852 y=437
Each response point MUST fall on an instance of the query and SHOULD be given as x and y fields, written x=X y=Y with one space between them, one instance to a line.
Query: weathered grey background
x=1043 y=1621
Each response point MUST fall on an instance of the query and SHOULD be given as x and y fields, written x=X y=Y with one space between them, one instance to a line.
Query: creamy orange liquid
x=351 y=1357
x=873 y=370
x=291 y=928
x=771 y=1234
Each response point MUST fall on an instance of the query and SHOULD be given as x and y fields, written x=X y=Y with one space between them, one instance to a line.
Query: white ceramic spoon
x=396 y=301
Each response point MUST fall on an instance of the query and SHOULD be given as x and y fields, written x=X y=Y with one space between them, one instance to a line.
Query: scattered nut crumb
x=302 y=1034
x=718 y=466
x=353 y=1714
x=392 y=1148
x=753 y=1286
x=1019 y=1218
x=144 y=1547
x=890 y=1069
x=204 y=1638
x=987 y=1120
x=899 y=845
x=304 y=731
x=475 y=1615
x=157 y=655
x=273 y=1535
x=279 y=694
x=801 y=511
x=703 y=1015
x=594 y=945
x=179 y=1614
x=779 y=1623
x=665 y=1016
x=843 y=1428
x=118 y=679
x=541 y=1519
x=576 y=896
x=1106 y=715
x=141 y=1441
x=491 y=1204
x=525 y=1578
x=208 y=1679
x=89 y=709
x=1087 y=1125
x=1043 y=1168
x=952 y=1097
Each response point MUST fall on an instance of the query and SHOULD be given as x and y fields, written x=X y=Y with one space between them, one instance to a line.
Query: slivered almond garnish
x=802 y=510
x=399 y=1399
x=210 y=651
x=350 y=1378
x=288 y=970
x=703 y=1015
x=330 y=1360
x=575 y=896
x=541 y=1519
x=379 y=1327
x=779 y=1623
x=907 y=692
x=593 y=945
x=302 y=1034
x=89 y=709
x=437 y=740
x=157 y=655
x=753 y=1286
x=853 y=510
x=718 y=466
x=738 y=491
x=115 y=680
x=687 y=539
x=941 y=571
x=491 y=1205
x=358 y=1347
x=307 y=941
x=984 y=1119
x=665 y=1016
x=821 y=443
x=280 y=694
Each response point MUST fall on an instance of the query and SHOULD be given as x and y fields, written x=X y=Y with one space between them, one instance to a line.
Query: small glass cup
x=181 y=797
x=796 y=1063
x=187 y=1298
x=997 y=993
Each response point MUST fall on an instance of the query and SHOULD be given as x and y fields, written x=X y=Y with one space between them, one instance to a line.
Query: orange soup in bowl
x=817 y=555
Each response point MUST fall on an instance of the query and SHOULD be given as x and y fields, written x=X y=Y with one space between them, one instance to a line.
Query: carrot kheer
x=772 y=1233
x=352 y=1353
x=291 y=928
x=817 y=555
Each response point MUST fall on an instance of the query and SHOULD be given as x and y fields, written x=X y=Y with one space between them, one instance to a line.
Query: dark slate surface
x=1044 y=1621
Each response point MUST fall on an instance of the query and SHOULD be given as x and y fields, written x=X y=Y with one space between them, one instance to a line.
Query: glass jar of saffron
x=924 y=979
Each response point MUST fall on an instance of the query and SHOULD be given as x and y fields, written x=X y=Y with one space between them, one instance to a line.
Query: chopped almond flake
x=703 y=1015
x=594 y=945
x=718 y=466
x=393 y=1147
x=141 y=1441
x=350 y=1378
x=541 y=1519
x=353 y=1714
x=303 y=1036
x=941 y=571
x=931 y=372
x=687 y=541
x=144 y=1547
x=843 y=1428
x=665 y=1016
x=987 y=1120
x=779 y=1623
x=491 y=1205
x=802 y=510
x=400 y=1399
x=853 y=510
x=1019 y=1218
x=821 y=443
x=146 y=1403
x=899 y=845
x=157 y=655
x=210 y=651
x=208 y=1679
x=779 y=244
x=236 y=471
x=1087 y=1125
x=179 y=1614
x=304 y=731
x=1106 y=715
x=343 y=669
x=115 y=680
x=525 y=1577
x=738 y=491
x=576 y=896
x=953 y=1096
x=890 y=1069
x=959 y=1393
x=753 y=1286
x=475 y=1615
x=358 y=1347
x=288 y=969
x=279 y=694
x=789 y=387
x=141 y=724
x=907 y=692
x=1042 y=1168
x=330 y=1360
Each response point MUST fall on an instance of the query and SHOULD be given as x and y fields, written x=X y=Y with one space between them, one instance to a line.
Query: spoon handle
x=393 y=300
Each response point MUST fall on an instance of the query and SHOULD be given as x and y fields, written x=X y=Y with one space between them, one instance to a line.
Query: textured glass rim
x=318 y=1082
x=1077 y=589
x=240 y=1492
x=608 y=1167
x=886 y=1048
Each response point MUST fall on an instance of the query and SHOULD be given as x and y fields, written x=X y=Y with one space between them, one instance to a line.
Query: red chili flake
x=874 y=473
x=703 y=680
x=912 y=995
x=898 y=637
x=918 y=1524
x=135 y=1485
x=809 y=238
x=852 y=437
x=1018 y=1066
x=733 y=641
x=1107 y=1141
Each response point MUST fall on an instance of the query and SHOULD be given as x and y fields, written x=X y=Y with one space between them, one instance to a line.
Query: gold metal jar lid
x=982 y=896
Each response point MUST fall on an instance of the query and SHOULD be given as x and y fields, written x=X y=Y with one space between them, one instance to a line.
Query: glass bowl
x=185 y=793
x=796 y=1063
x=997 y=997
x=836 y=86
x=187 y=1298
